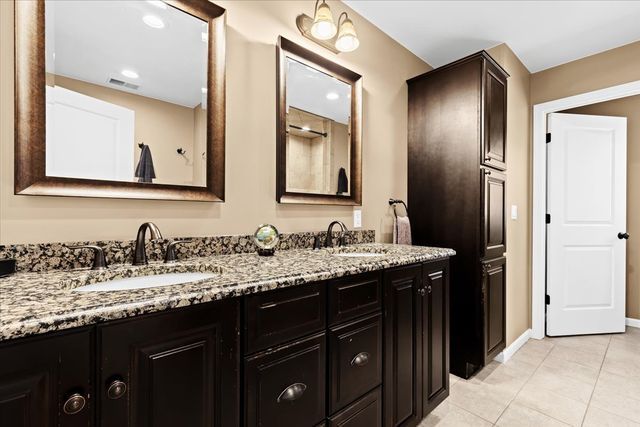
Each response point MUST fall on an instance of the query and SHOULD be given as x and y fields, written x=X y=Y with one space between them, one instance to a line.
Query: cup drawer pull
x=361 y=359
x=291 y=393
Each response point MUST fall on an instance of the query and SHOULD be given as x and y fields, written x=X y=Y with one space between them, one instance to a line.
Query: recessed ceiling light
x=204 y=90
x=158 y=3
x=153 y=21
x=130 y=73
x=332 y=96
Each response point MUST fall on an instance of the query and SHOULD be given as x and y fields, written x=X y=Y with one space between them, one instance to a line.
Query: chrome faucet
x=140 y=252
x=329 y=241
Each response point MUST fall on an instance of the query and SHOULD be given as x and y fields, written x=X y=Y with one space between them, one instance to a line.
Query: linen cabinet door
x=177 y=368
x=495 y=119
x=402 y=346
x=493 y=221
x=46 y=382
x=494 y=302
x=435 y=333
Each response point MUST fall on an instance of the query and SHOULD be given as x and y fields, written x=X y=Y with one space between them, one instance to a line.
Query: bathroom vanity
x=353 y=336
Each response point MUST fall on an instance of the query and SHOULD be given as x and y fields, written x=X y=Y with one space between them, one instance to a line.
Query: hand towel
x=343 y=181
x=402 y=230
x=145 y=171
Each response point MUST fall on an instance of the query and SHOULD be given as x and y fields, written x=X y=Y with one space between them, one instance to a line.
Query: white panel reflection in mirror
x=318 y=141
x=126 y=87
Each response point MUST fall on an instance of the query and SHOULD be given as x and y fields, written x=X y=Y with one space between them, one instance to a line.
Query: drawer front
x=354 y=296
x=286 y=386
x=366 y=412
x=355 y=361
x=276 y=317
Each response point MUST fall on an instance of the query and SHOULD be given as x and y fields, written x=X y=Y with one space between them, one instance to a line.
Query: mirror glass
x=126 y=92
x=318 y=139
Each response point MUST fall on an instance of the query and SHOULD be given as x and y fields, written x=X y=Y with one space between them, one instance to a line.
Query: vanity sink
x=358 y=254
x=143 y=282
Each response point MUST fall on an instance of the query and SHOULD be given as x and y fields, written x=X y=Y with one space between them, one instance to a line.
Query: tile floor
x=578 y=381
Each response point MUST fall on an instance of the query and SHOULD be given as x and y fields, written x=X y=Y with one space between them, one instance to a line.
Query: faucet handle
x=317 y=242
x=99 y=260
x=170 y=255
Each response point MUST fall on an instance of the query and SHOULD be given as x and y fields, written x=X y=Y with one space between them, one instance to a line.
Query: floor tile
x=586 y=358
x=561 y=384
x=449 y=415
x=617 y=395
x=479 y=399
x=560 y=366
x=622 y=362
x=517 y=415
x=600 y=418
x=562 y=408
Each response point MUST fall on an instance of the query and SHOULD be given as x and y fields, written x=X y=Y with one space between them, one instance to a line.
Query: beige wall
x=627 y=107
x=518 y=192
x=609 y=68
x=163 y=126
x=253 y=29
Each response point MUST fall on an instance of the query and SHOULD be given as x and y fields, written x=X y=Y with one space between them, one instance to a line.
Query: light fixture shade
x=323 y=27
x=347 y=37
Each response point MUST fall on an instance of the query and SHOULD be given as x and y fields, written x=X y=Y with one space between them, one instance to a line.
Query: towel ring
x=394 y=202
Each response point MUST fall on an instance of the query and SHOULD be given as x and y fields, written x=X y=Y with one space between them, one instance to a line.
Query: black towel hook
x=140 y=144
x=181 y=151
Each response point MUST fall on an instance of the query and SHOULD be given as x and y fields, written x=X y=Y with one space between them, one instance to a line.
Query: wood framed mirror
x=319 y=129
x=120 y=99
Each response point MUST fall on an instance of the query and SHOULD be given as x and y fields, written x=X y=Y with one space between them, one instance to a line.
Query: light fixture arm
x=340 y=17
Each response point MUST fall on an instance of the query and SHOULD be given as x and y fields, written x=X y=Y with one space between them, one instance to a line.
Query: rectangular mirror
x=319 y=129
x=126 y=99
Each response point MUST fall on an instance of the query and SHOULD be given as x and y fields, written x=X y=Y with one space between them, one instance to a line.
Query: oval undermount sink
x=358 y=254
x=143 y=282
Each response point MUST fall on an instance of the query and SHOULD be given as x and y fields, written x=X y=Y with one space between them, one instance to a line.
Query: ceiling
x=542 y=34
x=94 y=41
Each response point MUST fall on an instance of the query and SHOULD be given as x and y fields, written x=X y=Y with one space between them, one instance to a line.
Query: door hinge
x=548 y=218
x=547 y=299
x=548 y=137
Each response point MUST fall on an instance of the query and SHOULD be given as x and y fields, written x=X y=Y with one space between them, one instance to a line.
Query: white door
x=88 y=137
x=586 y=199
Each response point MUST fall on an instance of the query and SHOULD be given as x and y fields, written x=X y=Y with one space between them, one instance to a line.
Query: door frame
x=539 y=188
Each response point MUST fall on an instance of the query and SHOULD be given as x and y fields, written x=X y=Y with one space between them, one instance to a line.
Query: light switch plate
x=514 y=212
x=357 y=218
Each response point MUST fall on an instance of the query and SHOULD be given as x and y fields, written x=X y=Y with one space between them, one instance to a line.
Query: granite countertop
x=36 y=303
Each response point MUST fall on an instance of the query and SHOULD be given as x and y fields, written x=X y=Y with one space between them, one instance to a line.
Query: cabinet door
x=493 y=297
x=178 y=368
x=285 y=386
x=402 y=347
x=46 y=382
x=365 y=412
x=435 y=333
x=494 y=233
x=495 y=123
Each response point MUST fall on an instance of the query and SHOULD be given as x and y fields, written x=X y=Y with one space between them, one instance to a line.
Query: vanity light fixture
x=130 y=73
x=332 y=96
x=158 y=3
x=153 y=21
x=323 y=31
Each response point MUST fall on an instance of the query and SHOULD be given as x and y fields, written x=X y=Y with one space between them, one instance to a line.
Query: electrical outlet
x=357 y=218
x=514 y=212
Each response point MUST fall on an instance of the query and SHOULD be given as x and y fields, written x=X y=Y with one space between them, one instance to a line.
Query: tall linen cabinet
x=456 y=195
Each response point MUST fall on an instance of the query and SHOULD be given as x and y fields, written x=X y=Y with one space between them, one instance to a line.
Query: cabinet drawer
x=354 y=296
x=286 y=386
x=366 y=412
x=355 y=360
x=279 y=316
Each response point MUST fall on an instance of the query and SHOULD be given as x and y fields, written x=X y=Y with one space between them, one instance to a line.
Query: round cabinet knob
x=116 y=389
x=361 y=359
x=624 y=236
x=487 y=172
x=291 y=393
x=421 y=292
x=74 y=404
x=487 y=159
x=429 y=289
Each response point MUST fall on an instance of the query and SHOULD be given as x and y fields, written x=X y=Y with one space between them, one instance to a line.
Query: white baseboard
x=508 y=352
x=634 y=323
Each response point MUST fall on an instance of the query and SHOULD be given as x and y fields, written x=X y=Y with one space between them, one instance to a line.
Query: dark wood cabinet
x=402 y=347
x=456 y=188
x=286 y=385
x=175 y=368
x=354 y=296
x=47 y=382
x=416 y=321
x=365 y=412
x=494 y=277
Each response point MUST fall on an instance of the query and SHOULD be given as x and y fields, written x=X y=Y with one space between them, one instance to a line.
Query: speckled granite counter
x=35 y=303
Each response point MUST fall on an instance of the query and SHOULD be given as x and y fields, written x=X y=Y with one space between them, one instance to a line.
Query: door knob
x=74 y=404
x=623 y=236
